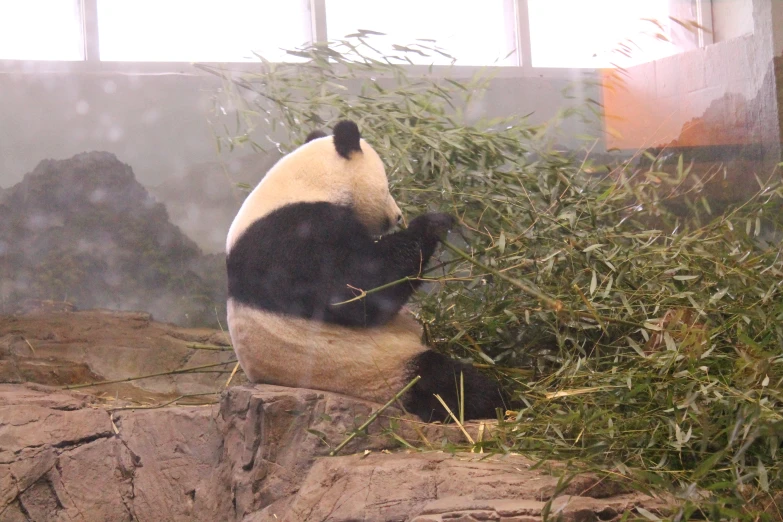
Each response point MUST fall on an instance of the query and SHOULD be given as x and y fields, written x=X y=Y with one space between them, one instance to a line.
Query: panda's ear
x=315 y=135
x=346 y=138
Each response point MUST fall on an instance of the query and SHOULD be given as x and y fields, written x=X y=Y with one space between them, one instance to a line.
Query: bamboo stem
x=590 y=307
x=554 y=304
x=365 y=293
x=201 y=346
x=233 y=372
x=374 y=416
x=160 y=374
x=163 y=405
x=456 y=420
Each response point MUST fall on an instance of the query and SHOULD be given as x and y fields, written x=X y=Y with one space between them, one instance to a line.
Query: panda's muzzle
x=388 y=226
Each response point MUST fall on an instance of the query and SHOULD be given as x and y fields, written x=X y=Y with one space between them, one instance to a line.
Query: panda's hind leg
x=441 y=375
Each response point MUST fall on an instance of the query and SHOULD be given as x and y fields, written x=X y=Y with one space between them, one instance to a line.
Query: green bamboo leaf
x=593 y=247
x=633 y=344
x=706 y=465
x=761 y=472
x=687 y=286
x=717 y=296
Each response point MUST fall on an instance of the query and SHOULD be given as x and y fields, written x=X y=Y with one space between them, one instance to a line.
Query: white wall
x=731 y=83
x=731 y=19
x=154 y=116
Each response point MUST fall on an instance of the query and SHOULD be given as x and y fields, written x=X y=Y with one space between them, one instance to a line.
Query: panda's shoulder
x=296 y=212
x=308 y=221
x=321 y=213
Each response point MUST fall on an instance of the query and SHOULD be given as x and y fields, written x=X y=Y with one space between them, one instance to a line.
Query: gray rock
x=260 y=454
x=66 y=347
x=440 y=487
x=84 y=230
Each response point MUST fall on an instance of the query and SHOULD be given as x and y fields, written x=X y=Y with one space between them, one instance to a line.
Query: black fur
x=346 y=138
x=300 y=260
x=440 y=374
x=314 y=135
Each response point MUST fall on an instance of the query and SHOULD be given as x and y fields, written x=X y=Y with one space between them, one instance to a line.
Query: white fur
x=315 y=172
x=361 y=362
x=289 y=351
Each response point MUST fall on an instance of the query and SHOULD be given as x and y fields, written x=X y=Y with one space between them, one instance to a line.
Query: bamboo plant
x=637 y=341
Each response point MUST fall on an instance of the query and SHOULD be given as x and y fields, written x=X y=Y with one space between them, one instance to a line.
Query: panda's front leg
x=432 y=227
x=413 y=247
x=393 y=258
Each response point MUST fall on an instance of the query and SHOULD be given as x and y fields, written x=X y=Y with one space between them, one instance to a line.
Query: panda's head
x=341 y=169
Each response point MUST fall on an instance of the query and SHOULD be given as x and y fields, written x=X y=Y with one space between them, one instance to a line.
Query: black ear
x=315 y=135
x=346 y=138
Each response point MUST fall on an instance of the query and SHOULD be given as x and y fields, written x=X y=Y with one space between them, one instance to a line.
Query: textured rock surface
x=84 y=230
x=63 y=457
x=62 y=348
x=260 y=455
x=274 y=434
x=436 y=486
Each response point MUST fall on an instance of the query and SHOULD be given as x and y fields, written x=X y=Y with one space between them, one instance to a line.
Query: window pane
x=475 y=33
x=591 y=30
x=40 y=30
x=200 y=30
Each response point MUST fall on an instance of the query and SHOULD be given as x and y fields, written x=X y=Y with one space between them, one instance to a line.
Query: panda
x=313 y=234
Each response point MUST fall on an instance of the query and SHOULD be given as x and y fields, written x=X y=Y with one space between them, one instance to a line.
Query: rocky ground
x=247 y=453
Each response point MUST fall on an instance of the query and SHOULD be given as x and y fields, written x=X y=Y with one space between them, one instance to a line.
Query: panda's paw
x=433 y=224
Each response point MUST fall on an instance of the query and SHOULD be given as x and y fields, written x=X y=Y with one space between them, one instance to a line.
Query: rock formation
x=259 y=453
x=71 y=347
x=83 y=230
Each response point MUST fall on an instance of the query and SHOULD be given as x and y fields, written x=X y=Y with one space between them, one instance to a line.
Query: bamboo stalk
x=554 y=304
x=163 y=405
x=233 y=372
x=456 y=420
x=160 y=374
x=365 y=293
x=590 y=307
x=201 y=346
x=374 y=416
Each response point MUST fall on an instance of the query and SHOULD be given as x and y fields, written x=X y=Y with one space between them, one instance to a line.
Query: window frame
x=517 y=25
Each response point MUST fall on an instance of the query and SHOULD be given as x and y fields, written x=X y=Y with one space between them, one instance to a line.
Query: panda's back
x=295 y=261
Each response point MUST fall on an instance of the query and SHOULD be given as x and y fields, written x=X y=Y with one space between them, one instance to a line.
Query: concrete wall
x=154 y=119
x=723 y=94
x=155 y=116
x=731 y=19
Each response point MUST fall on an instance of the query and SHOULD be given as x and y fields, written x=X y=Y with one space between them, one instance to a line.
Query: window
x=475 y=33
x=537 y=33
x=576 y=33
x=41 y=30
x=200 y=30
